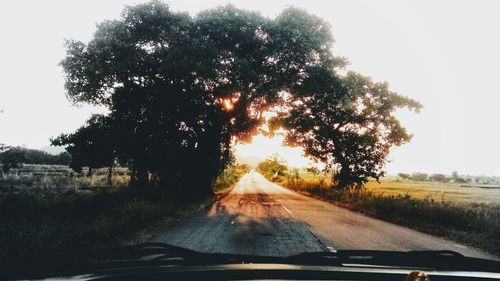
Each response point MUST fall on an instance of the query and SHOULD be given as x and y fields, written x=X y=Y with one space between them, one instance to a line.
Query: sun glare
x=262 y=147
x=227 y=104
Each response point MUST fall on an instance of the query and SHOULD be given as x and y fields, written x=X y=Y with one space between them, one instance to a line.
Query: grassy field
x=470 y=215
x=37 y=218
x=391 y=186
x=437 y=191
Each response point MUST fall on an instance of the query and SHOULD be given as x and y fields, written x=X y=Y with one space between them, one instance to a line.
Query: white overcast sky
x=445 y=54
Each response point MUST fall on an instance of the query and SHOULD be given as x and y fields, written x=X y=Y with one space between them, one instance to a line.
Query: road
x=261 y=218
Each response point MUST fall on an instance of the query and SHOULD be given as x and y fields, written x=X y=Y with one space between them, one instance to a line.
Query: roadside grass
x=48 y=223
x=475 y=224
x=229 y=177
x=56 y=221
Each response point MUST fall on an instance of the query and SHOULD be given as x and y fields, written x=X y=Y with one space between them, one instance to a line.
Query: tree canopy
x=346 y=122
x=181 y=90
x=92 y=145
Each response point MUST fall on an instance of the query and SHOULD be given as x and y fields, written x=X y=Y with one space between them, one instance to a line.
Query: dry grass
x=437 y=191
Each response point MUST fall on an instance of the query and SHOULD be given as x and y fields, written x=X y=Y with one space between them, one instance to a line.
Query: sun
x=262 y=147
x=227 y=104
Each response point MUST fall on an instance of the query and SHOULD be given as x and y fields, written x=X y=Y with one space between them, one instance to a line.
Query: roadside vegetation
x=473 y=223
x=46 y=223
x=49 y=214
x=229 y=177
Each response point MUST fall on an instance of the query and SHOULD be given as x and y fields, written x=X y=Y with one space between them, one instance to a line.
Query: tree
x=347 y=122
x=181 y=90
x=419 y=176
x=273 y=166
x=14 y=158
x=4 y=147
x=91 y=145
x=63 y=158
x=313 y=170
x=437 y=177
x=404 y=176
x=457 y=178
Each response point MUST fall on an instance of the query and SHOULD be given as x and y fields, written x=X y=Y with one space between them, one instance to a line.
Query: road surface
x=261 y=218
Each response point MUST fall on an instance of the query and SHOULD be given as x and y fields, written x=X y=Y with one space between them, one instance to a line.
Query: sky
x=444 y=54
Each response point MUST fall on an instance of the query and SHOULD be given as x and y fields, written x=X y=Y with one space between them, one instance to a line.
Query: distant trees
x=437 y=178
x=4 y=147
x=404 y=176
x=91 y=146
x=457 y=178
x=15 y=157
x=419 y=176
x=273 y=166
x=12 y=158
x=313 y=170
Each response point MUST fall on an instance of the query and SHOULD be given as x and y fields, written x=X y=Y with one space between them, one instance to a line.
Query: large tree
x=346 y=122
x=182 y=89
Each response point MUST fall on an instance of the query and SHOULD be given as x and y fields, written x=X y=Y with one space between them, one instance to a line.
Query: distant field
x=437 y=191
x=465 y=193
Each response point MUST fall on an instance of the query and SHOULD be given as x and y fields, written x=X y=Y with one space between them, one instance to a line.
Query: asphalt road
x=261 y=218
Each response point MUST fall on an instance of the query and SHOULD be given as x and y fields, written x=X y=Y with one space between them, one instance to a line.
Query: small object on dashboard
x=417 y=275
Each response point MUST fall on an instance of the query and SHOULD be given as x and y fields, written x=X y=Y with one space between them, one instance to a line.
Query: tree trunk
x=340 y=177
x=110 y=176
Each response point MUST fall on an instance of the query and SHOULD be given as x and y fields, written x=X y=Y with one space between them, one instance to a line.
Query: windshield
x=256 y=128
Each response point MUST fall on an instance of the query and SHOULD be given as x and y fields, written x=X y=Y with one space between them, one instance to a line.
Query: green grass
x=473 y=223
